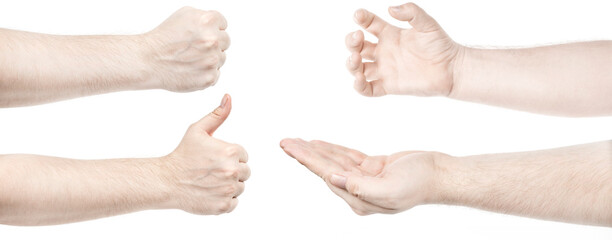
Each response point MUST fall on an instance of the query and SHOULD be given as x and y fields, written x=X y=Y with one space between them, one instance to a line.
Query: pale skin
x=570 y=184
x=184 y=53
x=203 y=175
x=572 y=79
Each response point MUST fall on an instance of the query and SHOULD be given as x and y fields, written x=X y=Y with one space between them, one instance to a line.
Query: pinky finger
x=233 y=204
x=370 y=89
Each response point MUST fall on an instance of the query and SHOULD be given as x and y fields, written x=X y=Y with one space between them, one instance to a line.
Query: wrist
x=458 y=69
x=444 y=186
x=161 y=180
x=145 y=69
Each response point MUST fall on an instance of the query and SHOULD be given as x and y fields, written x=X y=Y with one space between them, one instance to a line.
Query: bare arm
x=203 y=175
x=184 y=53
x=570 y=79
x=570 y=184
x=39 y=190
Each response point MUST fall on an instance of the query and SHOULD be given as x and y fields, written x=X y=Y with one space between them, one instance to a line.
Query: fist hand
x=415 y=61
x=369 y=184
x=206 y=174
x=187 y=50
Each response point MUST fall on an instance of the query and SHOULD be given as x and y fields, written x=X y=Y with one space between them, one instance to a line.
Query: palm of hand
x=401 y=180
x=415 y=63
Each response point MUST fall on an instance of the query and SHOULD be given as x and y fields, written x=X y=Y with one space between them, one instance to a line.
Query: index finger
x=370 y=22
x=318 y=164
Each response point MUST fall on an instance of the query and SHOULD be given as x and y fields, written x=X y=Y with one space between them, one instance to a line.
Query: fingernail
x=224 y=100
x=338 y=181
x=355 y=35
x=396 y=8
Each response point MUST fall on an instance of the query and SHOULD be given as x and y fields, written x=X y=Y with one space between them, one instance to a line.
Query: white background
x=285 y=71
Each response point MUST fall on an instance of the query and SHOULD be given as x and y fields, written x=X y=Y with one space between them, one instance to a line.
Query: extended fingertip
x=359 y=15
x=224 y=100
x=285 y=142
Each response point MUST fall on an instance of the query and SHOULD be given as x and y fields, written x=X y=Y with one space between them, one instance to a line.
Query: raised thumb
x=414 y=15
x=213 y=120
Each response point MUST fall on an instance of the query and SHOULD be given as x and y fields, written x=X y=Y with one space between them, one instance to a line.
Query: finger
x=221 y=60
x=213 y=120
x=243 y=156
x=233 y=204
x=369 y=88
x=224 y=40
x=356 y=156
x=354 y=64
x=366 y=188
x=370 y=22
x=239 y=189
x=370 y=70
x=214 y=18
x=416 y=16
x=354 y=41
x=244 y=172
x=368 y=51
x=356 y=203
x=304 y=154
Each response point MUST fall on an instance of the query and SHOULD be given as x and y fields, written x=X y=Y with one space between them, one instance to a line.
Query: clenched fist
x=370 y=184
x=207 y=175
x=416 y=61
x=187 y=50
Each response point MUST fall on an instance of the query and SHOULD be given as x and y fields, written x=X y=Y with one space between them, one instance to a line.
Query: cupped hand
x=205 y=174
x=188 y=49
x=415 y=61
x=369 y=184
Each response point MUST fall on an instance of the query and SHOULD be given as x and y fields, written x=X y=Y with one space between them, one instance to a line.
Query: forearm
x=37 y=68
x=571 y=184
x=39 y=190
x=570 y=79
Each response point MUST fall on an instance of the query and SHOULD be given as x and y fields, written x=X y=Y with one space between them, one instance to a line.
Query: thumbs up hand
x=416 y=61
x=206 y=175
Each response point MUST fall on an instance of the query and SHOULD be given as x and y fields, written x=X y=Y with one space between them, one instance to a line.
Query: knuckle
x=229 y=190
x=211 y=61
x=209 y=78
x=231 y=172
x=232 y=151
x=208 y=42
x=207 y=17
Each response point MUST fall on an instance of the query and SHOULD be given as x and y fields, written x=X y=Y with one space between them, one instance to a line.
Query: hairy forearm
x=571 y=184
x=570 y=79
x=39 y=190
x=38 y=68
